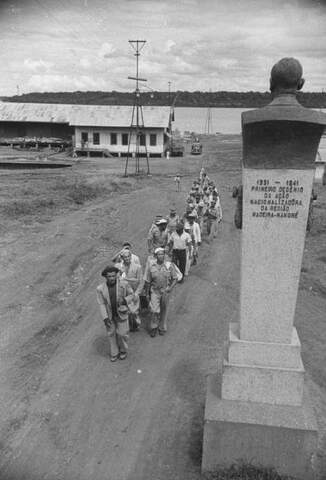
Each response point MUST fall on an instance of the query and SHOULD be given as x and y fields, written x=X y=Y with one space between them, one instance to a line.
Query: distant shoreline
x=198 y=99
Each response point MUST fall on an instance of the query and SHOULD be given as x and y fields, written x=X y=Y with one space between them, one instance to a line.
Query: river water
x=223 y=120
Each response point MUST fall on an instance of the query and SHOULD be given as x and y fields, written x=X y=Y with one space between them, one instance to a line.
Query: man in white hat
x=172 y=219
x=157 y=235
x=160 y=278
x=111 y=297
x=193 y=229
x=133 y=274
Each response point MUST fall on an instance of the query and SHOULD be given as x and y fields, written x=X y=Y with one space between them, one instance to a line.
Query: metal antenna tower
x=208 y=121
x=137 y=117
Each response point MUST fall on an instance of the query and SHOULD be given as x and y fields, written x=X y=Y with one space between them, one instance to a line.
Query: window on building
x=142 y=139
x=114 y=139
x=84 y=137
x=96 y=138
x=153 y=139
x=125 y=139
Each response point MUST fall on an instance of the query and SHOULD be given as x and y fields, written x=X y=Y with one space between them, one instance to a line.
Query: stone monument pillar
x=260 y=413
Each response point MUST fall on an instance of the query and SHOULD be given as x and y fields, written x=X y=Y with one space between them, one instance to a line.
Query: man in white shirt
x=194 y=230
x=179 y=243
x=132 y=273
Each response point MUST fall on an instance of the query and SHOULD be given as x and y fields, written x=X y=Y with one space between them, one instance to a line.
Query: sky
x=70 y=45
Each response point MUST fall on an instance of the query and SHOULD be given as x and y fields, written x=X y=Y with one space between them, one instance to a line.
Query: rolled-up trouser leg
x=122 y=336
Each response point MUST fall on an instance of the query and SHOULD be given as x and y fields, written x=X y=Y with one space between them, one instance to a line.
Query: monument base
x=260 y=434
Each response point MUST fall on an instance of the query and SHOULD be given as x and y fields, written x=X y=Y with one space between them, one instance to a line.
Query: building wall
x=35 y=129
x=105 y=140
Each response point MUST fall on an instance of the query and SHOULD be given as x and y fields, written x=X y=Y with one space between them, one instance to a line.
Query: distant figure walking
x=177 y=180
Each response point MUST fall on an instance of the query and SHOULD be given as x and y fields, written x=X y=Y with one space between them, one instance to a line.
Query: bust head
x=286 y=76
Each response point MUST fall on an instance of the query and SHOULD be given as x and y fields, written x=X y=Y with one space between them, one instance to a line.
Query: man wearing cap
x=133 y=274
x=111 y=297
x=180 y=242
x=193 y=229
x=201 y=208
x=172 y=219
x=157 y=235
x=214 y=216
x=160 y=278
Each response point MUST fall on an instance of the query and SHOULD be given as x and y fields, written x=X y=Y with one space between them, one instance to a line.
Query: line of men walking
x=173 y=246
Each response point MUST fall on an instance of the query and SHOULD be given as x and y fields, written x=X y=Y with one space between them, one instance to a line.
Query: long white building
x=92 y=129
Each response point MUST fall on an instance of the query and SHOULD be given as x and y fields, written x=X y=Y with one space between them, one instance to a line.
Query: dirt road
x=67 y=412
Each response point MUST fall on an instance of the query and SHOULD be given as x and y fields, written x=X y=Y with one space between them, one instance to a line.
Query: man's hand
x=107 y=322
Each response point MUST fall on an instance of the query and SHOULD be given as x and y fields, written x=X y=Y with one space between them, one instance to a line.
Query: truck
x=176 y=147
x=196 y=147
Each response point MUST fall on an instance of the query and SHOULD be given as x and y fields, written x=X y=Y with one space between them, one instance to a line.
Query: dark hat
x=172 y=209
x=109 y=269
x=126 y=244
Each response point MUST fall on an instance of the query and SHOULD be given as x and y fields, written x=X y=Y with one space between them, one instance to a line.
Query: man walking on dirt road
x=160 y=279
x=180 y=243
x=111 y=297
x=133 y=274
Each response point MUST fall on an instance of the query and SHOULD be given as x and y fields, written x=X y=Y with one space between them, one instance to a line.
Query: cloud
x=36 y=65
x=106 y=50
x=46 y=83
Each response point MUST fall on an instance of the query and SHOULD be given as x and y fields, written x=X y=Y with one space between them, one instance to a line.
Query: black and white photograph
x=163 y=240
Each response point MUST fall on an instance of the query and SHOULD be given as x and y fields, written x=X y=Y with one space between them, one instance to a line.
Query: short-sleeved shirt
x=180 y=242
x=172 y=222
x=132 y=274
x=160 y=276
x=157 y=237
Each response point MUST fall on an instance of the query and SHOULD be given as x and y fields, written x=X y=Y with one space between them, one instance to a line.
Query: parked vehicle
x=176 y=147
x=196 y=147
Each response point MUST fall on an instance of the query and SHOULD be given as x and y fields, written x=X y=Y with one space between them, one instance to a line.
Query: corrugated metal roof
x=82 y=115
x=117 y=116
x=34 y=112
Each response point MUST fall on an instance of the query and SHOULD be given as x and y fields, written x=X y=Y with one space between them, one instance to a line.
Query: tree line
x=179 y=98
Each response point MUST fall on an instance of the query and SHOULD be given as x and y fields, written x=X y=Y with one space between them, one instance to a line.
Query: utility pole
x=169 y=83
x=208 y=120
x=137 y=118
